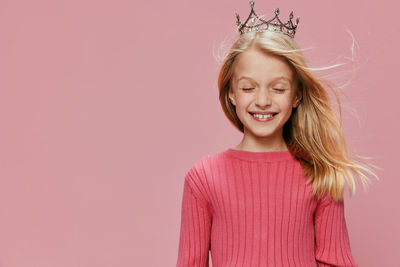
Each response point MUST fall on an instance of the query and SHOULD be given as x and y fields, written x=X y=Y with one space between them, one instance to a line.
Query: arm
x=195 y=230
x=331 y=236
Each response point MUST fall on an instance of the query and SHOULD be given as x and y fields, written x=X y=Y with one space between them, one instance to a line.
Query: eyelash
x=248 y=89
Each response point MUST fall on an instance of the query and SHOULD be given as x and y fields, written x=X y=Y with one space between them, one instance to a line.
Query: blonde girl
x=276 y=199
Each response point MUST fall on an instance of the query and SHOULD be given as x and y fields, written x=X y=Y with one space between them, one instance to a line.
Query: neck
x=249 y=145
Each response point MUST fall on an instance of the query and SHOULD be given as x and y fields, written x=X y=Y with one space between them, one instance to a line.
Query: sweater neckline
x=259 y=156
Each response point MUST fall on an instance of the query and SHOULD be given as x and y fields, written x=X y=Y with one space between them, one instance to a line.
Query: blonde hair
x=313 y=133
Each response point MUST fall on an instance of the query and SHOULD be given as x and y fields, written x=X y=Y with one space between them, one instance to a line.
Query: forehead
x=261 y=67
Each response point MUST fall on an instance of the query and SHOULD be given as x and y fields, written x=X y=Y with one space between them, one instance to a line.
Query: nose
x=263 y=97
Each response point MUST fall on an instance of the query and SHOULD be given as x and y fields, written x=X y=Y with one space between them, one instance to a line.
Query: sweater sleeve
x=331 y=235
x=195 y=230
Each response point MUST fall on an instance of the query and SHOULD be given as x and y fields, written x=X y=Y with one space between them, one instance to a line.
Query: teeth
x=262 y=116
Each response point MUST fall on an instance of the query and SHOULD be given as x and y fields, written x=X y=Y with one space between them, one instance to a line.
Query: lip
x=263 y=113
x=261 y=120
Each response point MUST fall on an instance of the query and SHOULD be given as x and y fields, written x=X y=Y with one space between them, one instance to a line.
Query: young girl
x=276 y=199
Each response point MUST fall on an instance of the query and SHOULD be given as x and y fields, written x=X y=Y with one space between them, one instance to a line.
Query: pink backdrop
x=104 y=105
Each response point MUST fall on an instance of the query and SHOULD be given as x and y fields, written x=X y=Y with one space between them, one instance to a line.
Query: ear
x=298 y=93
x=296 y=102
x=231 y=97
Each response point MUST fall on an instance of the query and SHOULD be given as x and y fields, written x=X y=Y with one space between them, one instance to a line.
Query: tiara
x=287 y=28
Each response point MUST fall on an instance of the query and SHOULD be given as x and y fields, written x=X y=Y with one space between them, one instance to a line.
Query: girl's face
x=263 y=83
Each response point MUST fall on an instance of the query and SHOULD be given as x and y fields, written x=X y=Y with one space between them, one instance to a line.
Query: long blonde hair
x=313 y=133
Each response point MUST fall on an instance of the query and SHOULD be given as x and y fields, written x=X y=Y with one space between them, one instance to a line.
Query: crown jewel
x=274 y=24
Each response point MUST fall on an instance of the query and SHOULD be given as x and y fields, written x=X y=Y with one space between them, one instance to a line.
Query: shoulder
x=200 y=174
x=203 y=166
x=203 y=169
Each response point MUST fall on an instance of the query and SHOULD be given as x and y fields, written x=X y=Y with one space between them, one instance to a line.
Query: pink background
x=104 y=105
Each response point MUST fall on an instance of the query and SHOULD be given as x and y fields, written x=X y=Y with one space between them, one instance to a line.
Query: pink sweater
x=254 y=209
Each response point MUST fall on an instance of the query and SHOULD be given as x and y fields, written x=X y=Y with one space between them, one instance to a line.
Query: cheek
x=286 y=102
x=243 y=101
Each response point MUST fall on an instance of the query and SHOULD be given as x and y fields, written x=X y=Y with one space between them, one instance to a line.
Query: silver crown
x=274 y=24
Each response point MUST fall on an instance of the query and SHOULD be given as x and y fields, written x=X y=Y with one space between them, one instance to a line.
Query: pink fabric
x=255 y=209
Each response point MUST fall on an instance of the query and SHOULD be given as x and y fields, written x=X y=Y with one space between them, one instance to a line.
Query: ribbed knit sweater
x=253 y=209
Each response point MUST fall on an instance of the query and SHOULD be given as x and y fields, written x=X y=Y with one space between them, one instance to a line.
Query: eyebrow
x=275 y=79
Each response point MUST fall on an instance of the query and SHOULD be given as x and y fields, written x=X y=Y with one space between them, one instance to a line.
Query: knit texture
x=254 y=209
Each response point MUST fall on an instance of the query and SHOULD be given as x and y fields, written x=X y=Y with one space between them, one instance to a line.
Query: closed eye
x=277 y=89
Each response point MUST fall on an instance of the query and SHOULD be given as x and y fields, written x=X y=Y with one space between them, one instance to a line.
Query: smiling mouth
x=261 y=117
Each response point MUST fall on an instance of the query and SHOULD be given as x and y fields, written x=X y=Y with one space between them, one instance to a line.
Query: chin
x=259 y=132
